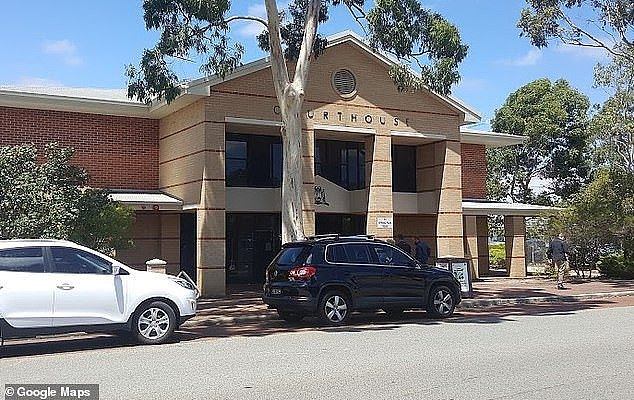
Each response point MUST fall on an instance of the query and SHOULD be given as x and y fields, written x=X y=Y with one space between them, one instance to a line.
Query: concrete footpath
x=244 y=303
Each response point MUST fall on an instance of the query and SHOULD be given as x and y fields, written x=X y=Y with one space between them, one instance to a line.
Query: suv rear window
x=354 y=253
x=291 y=255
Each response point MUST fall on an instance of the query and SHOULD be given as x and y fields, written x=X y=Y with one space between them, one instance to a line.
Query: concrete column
x=477 y=244
x=482 y=228
x=308 y=172
x=449 y=228
x=471 y=243
x=380 y=185
x=211 y=225
x=514 y=234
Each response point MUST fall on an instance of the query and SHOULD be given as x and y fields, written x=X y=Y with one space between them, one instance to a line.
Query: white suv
x=53 y=286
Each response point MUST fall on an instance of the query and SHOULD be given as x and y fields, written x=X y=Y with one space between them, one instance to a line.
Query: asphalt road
x=587 y=354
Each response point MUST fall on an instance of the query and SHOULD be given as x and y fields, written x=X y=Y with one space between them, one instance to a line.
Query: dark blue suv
x=332 y=276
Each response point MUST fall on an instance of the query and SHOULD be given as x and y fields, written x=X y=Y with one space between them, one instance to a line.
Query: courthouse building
x=204 y=172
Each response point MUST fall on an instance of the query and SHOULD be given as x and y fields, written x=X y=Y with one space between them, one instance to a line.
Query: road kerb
x=481 y=303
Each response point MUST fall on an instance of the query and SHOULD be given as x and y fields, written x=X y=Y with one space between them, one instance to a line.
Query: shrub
x=497 y=255
x=616 y=266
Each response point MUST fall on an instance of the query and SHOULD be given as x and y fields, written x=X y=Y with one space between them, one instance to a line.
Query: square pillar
x=308 y=172
x=514 y=235
x=482 y=228
x=471 y=244
x=449 y=227
x=380 y=185
x=211 y=216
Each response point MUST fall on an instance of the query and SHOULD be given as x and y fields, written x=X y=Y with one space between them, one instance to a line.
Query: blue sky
x=88 y=43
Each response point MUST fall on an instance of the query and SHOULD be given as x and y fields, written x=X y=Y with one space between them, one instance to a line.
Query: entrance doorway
x=188 y=244
x=253 y=240
x=343 y=224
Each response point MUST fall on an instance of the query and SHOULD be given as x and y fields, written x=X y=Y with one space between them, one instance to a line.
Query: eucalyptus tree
x=200 y=30
x=554 y=118
x=613 y=125
x=603 y=24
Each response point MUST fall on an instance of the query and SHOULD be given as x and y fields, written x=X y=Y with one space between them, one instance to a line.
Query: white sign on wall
x=385 y=222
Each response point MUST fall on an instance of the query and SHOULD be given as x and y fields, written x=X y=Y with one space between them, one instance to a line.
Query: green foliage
x=406 y=30
x=49 y=200
x=497 y=255
x=616 y=266
x=553 y=117
x=613 y=125
x=199 y=31
x=581 y=23
x=600 y=219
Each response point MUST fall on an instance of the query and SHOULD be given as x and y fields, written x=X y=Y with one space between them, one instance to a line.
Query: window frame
x=394 y=249
x=45 y=265
x=53 y=267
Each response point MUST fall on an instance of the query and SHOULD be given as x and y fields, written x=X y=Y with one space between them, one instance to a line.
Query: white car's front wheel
x=154 y=323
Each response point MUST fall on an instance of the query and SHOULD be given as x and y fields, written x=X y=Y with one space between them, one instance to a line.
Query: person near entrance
x=402 y=244
x=558 y=252
x=422 y=250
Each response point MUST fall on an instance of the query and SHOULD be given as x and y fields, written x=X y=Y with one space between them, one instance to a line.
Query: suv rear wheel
x=154 y=323
x=334 y=308
x=441 y=302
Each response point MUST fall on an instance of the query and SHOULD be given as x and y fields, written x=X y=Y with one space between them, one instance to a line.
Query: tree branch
x=305 y=53
x=247 y=18
x=354 y=9
x=583 y=32
x=278 y=64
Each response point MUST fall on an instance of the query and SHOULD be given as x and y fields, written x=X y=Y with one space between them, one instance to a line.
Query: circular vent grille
x=344 y=83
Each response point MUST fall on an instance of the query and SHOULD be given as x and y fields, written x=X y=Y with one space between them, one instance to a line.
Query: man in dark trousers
x=558 y=252
x=403 y=245
x=422 y=251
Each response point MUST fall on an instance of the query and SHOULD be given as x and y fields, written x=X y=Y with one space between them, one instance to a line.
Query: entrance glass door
x=252 y=242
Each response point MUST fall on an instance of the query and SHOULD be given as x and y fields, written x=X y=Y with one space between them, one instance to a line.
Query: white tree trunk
x=290 y=96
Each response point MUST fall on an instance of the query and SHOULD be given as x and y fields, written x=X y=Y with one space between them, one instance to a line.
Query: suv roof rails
x=336 y=236
x=324 y=236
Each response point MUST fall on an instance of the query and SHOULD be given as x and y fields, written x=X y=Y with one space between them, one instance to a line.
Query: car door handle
x=66 y=286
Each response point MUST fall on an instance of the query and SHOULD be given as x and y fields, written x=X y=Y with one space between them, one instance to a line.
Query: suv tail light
x=302 y=273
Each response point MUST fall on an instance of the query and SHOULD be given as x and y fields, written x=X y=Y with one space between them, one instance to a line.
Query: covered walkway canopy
x=476 y=232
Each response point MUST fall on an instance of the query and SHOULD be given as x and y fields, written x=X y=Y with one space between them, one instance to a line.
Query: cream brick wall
x=514 y=234
x=155 y=235
x=192 y=151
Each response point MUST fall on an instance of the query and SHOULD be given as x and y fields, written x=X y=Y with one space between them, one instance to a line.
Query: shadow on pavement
x=359 y=322
x=217 y=319
x=71 y=343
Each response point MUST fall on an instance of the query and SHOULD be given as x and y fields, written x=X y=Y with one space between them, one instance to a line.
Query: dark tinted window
x=357 y=253
x=22 y=259
x=236 y=159
x=253 y=161
x=336 y=254
x=290 y=256
x=404 y=169
x=75 y=261
x=387 y=255
x=342 y=163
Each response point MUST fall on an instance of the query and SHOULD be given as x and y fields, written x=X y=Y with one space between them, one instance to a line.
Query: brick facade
x=474 y=171
x=118 y=152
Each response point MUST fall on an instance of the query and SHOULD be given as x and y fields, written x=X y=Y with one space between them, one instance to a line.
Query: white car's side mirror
x=115 y=269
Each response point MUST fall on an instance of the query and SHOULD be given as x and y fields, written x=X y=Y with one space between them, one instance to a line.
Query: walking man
x=422 y=251
x=558 y=252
